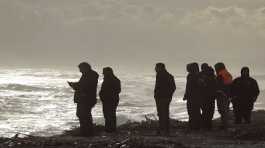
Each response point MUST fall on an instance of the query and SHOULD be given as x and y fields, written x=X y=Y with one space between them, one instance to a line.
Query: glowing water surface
x=39 y=101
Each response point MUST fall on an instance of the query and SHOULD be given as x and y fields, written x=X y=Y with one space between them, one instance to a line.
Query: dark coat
x=192 y=88
x=246 y=89
x=165 y=85
x=86 y=88
x=110 y=89
x=207 y=85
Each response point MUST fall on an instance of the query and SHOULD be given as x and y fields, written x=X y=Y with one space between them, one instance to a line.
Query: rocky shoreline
x=143 y=135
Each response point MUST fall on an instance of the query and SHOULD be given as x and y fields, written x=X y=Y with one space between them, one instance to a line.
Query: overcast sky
x=131 y=32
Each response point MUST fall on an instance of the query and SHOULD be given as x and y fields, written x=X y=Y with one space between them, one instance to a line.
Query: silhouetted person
x=245 y=91
x=224 y=81
x=207 y=84
x=192 y=95
x=109 y=95
x=164 y=89
x=85 y=97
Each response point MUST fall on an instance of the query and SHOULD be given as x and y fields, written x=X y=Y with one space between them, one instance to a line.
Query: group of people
x=203 y=87
x=86 y=98
x=209 y=84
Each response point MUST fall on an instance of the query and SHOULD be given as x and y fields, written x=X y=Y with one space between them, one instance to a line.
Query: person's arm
x=101 y=91
x=173 y=84
x=188 y=88
x=256 y=90
x=234 y=89
x=156 y=87
x=73 y=85
x=119 y=86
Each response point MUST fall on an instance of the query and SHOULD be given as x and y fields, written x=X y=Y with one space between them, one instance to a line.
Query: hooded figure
x=109 y=95
x=245 y=91
x=192 y=95
x=224 y=81
x=164 y=90
x=207 y=87
x=85 y=97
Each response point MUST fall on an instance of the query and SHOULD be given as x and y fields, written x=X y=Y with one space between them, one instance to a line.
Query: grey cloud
x=125 y=30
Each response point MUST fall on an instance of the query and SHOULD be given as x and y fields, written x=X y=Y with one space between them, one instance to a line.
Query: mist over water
x=39 y=101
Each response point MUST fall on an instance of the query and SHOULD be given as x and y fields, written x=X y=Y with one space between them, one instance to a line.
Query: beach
x=39 y=102
x=143 y=135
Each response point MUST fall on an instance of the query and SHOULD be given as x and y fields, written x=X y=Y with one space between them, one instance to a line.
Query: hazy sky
x=131 y=32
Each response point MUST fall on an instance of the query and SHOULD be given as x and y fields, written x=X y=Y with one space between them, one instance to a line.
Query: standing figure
x=109 y=95
x=245 y=91
x=224 y=81
x=192 y=95
x=207 y=84
x=164 y=90
x=85 y=97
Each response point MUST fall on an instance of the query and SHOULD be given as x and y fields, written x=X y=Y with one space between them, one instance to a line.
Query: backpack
x=226 y=77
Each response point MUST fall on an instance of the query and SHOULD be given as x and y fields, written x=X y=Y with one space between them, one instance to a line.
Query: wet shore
x=143 y=135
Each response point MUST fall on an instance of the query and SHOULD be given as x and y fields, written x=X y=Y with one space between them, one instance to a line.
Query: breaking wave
x=34 y=101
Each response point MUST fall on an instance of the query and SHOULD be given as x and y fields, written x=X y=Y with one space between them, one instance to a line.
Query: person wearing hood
x=245 y=91
x=223 y=93
x=85 y=97
x=109 y=95
x=192 y=96
x=207 y=86
x=163 y=93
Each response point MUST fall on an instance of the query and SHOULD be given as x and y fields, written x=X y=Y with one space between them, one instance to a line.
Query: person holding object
x=109 y=95
x=164 y=90
x=85 y=97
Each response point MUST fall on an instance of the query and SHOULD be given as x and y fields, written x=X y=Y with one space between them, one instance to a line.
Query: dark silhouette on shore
x=85 y=97
x=245 y=91
x=192 y=94
x=109 y=95
x=202 y=88
x=224 y=81
x=207 y=84
x=164 y=90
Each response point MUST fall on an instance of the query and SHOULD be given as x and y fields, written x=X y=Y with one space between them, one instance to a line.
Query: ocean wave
x=22 y=87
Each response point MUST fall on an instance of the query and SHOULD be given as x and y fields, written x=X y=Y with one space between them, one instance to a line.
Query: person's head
x=193 y=68
x=84 y=67
x=245 y=72
x=219 y=66
x=204 y=67
x=107 y=71
x=160 y=67
x=210 y=70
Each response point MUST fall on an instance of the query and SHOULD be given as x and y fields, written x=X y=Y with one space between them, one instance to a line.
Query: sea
x=39 y=101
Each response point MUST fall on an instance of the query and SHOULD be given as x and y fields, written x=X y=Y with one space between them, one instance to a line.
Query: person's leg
x=237 y=112
x=207 y=113
x=189 y=109
x=247 y=112
x=210 y=114
x=86 y=121
x=106 y=115
x=113 y=120
x=159 y=114
x=196 y=115
x=163 y=115
x=222 y=104
x=81 y=117
x=204 y=114
x=247 y=116
x=167 y=122
x=89 y=129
